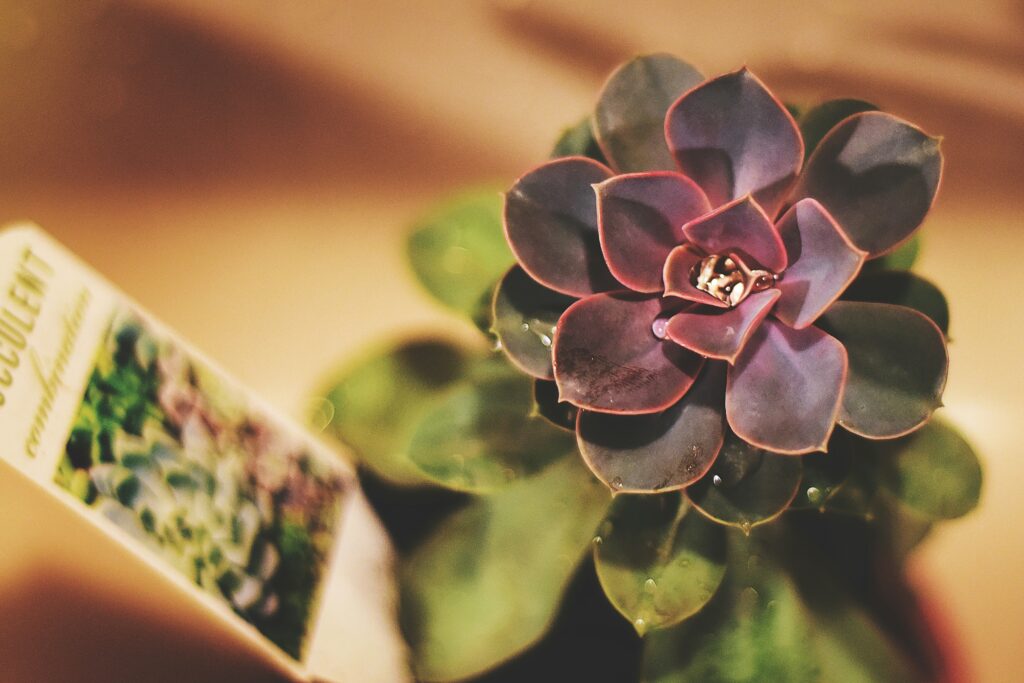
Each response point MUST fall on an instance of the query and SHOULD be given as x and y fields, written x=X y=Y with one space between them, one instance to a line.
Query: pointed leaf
x=658 y=451
x=551 y=225
x=816 y=122
x=630 y=114
x=903 y=288
x=658 y=560
x=933 y=471
x=607 y=357
x=740 y=227
x=898 y=365
x=822 y=263
x=483 y=436
x=579 y=141
x=721 y=334
x=734 y=138
x=746 y=486
x=877 y=176
x=785 y=389
x=525 y=314
x=640 y=220
x=378 y=401
x=459 y=251
x=488 y=582
x=561 y=414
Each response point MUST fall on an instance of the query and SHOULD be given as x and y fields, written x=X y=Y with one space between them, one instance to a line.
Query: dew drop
x=496 y=346
x=660 y=328
x=684 y=562
x=617 y=483
x=525 y=327
x=745 y=527
x=814 y=495
x=641 y=626
x=650 y=585
x=716 y=480
x=545 y=340
x=597 y=540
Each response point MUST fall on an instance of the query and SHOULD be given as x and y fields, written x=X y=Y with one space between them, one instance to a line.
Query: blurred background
x=248 y=169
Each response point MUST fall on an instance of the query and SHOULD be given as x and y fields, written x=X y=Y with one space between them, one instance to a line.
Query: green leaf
x=578 y=141
x=933 y=471
x=902 y=258
x=817 y=121
x=659 y=561
x=630 y=116
x=824 y=473
x=561 y=414
x=381 y=398
x=905 y=289
x=765 y=625
x=484 y=435
x=488 y=582
x=459 y=250
x=525 y=314
x=746 y=486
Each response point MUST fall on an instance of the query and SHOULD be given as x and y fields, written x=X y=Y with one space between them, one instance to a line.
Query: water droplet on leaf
x=716 y=480
x=641 y=626
x=650 y=585
x=814 y=495
x=617 y=483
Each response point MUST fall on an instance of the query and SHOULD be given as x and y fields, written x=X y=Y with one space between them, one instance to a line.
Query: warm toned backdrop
x=248 y=172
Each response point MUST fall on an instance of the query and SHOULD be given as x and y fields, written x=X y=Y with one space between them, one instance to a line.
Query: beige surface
x=247 y=170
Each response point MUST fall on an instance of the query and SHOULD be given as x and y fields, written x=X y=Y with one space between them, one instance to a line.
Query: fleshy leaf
x=640 y=220
x=459 y=250
x=380 y=399
x=740 y=227
x=551 y=225
x=766 y=625
x=658 y=561
x=658 y=451
x=816 y=122
x=785 y=389
x=559 y=413
x=734 y=138
x=903 y=288
x=607 y=357
x=933 y=471
x=630 y=114
x=721 y=334
x=877 y=176
x=825 y=473
x=746 y=486
x=488 y=582
x=678 y=277
x=578 y=141
x=525 y=315
x=822 y=263
x=483 y=436
x=898 y=365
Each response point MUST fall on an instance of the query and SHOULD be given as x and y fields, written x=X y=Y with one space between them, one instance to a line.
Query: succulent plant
x=691 y=294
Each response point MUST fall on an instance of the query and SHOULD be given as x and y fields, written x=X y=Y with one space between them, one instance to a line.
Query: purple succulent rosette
x=687 y=292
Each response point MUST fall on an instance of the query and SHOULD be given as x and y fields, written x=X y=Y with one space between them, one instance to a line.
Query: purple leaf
x=525 y=314
x=898 y=364
x=721 y=334
x=740 y=227
x=678 y=276
x=877 y=175
x=658 y=451
x=630 y=116
x=735 y=138
x=640 y=220
x=822 y=263
x=551 y=225
x=784 y=392
x=607 y=357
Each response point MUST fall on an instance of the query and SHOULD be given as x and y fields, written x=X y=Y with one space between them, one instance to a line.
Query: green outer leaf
x=934 y=472
x=579 y=141
x=629 y=119
x=905 y=289
x=379 y=400
x=746 y=486
x=561 y=414
x=823 y=474
x=458 y=251
x=764 y=626
x=817 y=121
x=898 y=363
x=658 y=561
x=488 y=582
x=524 y=315
x=483 y=436
x=901 y=258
